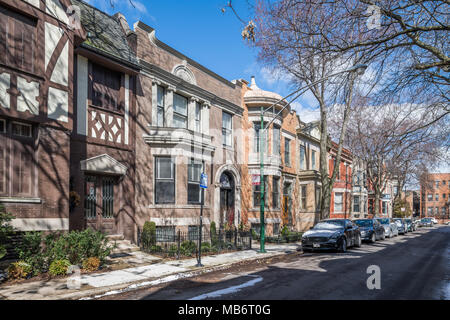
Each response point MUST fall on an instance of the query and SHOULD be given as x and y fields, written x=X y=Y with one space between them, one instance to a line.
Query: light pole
x=359 y=69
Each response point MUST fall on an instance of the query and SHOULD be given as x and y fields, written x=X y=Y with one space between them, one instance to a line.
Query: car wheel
x=343 y=246
x=373 y=238
x=358 y=241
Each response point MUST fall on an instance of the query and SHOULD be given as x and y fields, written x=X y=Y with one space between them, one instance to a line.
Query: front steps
x=122 y=245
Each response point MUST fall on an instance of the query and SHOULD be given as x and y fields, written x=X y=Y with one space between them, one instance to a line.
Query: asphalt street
x=414 y=266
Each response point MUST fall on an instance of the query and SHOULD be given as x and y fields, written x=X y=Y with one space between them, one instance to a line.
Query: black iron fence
x=169 y=242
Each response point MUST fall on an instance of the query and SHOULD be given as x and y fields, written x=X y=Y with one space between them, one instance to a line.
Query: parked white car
x=434 y=220
x=390 y=227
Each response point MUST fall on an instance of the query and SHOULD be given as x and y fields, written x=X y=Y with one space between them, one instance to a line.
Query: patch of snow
x=229 y=290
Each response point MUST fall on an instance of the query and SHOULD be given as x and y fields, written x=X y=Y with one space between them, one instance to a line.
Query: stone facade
x=182 y=108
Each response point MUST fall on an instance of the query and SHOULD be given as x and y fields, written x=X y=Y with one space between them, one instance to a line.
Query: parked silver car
x=426 y=222
x=390 y=228
x=401 y=225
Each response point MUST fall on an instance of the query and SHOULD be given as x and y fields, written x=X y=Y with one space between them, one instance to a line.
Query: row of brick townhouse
x=435 y=196
x=103 y=125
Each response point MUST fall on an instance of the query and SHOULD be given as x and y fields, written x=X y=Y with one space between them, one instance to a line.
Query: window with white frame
x=338 y=201
x=180 y=109
x=164 y=180
x=276 y=140
x=21 y=129
x=195 y=169
x=302 y=157
x=227 y=129
x=198 y=117
x=313 y=159
x=287 y=152
x=303 y=198
x=257 y=135
x=160 y=106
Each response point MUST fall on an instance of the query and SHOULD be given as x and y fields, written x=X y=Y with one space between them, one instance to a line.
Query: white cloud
x=305 y=113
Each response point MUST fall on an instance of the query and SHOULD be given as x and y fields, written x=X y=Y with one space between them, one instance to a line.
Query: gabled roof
x=105 y=34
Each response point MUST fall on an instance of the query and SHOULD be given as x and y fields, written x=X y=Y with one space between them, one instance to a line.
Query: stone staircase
x=122 y=245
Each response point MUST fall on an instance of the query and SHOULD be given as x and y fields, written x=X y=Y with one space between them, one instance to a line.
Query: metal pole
x=261 y=185
x=199 y=260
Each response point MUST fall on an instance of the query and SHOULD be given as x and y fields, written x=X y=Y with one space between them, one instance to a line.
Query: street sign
x=204 y=181
x=256 y=181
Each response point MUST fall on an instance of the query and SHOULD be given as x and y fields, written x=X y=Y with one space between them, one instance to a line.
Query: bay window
x=276 y=140
x=160 y=106
x=287 y=152
x=302 y=157
x=180 y=109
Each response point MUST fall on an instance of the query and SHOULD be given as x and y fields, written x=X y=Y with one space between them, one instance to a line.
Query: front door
x=226 y=200
x=99 y=204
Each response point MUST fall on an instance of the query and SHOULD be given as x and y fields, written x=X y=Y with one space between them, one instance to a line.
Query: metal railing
x=179 y=244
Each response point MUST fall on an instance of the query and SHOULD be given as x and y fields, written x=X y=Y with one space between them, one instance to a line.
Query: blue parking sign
x=204 y=181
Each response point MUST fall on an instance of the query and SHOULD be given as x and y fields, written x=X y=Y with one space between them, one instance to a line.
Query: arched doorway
x=227 y=199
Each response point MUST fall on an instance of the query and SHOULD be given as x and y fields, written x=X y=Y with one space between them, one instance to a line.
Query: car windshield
x=408 y=220
x=364 y=223
x=398 y=221
x=426 y=219
x=384 y=221
x=329 y=225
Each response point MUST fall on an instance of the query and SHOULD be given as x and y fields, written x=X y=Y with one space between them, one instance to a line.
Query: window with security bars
x=90 y=198
x=193 y=233
x=195 y=169
x=165 y=234
x=107 y=198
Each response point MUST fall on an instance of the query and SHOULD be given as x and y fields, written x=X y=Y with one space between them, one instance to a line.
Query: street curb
x=147 y=283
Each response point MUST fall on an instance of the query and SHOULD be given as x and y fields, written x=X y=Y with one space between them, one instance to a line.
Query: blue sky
x=200 y=30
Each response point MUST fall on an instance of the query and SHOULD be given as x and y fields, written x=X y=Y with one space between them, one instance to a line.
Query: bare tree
x=289 y=38
x=393 y=142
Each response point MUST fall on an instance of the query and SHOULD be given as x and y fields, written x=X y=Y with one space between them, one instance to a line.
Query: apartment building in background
x=434 y=196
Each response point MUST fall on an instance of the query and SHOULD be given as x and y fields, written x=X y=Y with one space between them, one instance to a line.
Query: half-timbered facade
x=36 y=107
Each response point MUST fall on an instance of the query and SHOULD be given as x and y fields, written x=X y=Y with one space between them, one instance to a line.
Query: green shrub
x=19 y=270
x=206 y=247
x=6 y=230
x=155 y=248
x=91 y=264
x=148 y=237
x=32 y=252
x=173 y=250
x=213 y=234
x=188 y=248
x=59 y=267
x=77 y=246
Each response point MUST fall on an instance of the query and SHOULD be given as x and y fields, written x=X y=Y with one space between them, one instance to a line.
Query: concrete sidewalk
x=112 y=282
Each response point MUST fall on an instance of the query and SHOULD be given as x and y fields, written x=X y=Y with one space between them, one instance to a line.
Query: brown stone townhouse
x=106 y=126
